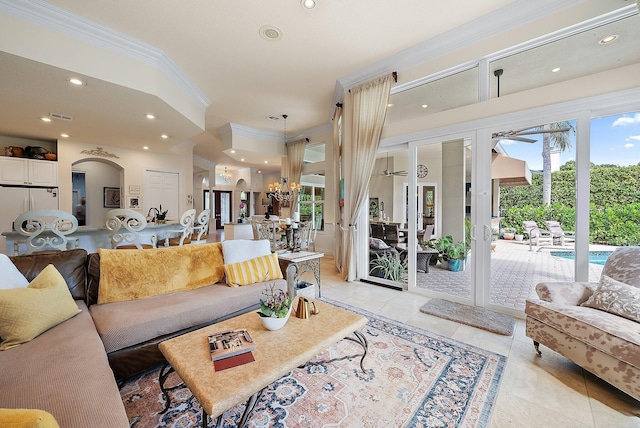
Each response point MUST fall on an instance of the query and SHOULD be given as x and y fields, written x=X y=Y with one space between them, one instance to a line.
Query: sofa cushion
x=128 y=323
x=27 y=418
x=260 y=269
x=70 y=264
x=27 y=312
x=240 y=250
x=617 y=298
x=377 y=244
x=135 y=274
x=10 y=276
x=611 y=334
x=65 y=372
x=624 y=265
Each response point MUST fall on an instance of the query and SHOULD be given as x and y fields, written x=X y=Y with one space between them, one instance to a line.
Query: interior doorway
x=221 y=207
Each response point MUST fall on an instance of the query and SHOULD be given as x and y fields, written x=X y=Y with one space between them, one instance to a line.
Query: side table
x=294 y=264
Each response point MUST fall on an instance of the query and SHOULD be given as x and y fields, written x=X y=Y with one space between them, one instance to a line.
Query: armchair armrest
x=565 y=293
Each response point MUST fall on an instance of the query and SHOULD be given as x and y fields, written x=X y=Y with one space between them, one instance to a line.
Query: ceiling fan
x=516 y=135
x=388 y=173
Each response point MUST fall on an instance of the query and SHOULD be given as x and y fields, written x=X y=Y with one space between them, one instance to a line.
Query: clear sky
x=614 y=140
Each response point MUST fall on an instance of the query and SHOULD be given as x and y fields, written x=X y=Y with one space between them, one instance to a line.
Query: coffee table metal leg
x=359 y=339
x=165 y=371
x=248 y=410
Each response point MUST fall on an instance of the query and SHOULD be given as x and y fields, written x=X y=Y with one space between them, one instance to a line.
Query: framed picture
x=374 y=207
x=134 y=189
x=111 y=197
x=134 y=202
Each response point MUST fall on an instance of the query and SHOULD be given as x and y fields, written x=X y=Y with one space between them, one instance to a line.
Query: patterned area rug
x=470 y=315
x=413 y=378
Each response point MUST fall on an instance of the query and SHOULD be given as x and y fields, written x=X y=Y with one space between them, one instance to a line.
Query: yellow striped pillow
x=260 y=269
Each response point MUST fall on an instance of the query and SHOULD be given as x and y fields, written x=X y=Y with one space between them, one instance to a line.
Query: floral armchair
x=596 y=325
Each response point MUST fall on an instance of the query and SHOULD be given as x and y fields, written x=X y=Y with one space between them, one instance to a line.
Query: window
x=312 y=200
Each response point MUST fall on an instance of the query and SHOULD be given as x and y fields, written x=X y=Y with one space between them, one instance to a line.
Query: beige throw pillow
x=25 y=313
x=616 y=298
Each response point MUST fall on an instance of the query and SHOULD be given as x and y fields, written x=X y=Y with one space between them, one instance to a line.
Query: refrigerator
x=15 y=200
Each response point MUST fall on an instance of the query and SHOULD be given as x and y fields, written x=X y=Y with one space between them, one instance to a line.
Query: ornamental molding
x=99 y=152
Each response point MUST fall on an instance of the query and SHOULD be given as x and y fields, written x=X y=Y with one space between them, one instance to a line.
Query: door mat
x=470 y=315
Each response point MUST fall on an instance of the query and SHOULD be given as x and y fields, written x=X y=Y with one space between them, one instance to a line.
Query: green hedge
x=615 y=203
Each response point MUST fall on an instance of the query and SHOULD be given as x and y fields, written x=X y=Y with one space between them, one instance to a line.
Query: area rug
x=470 y=315
x=413 y=378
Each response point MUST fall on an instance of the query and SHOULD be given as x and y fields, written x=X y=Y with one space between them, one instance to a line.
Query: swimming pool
x=595 y=257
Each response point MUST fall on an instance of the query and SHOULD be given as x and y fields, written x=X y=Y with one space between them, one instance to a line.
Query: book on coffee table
x=229 y=344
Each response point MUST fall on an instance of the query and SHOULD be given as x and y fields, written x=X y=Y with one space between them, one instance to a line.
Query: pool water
x=595 y=257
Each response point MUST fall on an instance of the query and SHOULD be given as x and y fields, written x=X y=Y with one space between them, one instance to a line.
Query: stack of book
x=231 y=348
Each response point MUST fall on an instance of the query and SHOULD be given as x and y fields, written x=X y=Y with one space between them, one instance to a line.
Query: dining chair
x=184 y=231
x=124 y=228
x=44 y=228
x=201 y=227
x=377 y=230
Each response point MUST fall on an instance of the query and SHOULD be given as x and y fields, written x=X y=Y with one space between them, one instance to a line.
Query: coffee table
x=276 y=354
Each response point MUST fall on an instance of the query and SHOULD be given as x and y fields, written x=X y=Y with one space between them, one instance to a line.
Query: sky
x=614 y=140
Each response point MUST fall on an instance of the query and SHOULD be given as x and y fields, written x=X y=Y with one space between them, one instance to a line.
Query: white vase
x=273 y=323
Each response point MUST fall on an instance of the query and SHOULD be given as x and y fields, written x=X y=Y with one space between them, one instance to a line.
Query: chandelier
x=283 y=191
x=225 y=176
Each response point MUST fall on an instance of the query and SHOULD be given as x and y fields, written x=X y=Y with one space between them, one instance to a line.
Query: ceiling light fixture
x=608 y=39
x=283 y=191
x=64 y=135
x=555 y=70
x=225 y=175
x=75 y=81
x=308 y=4
x=233 y=151
x=45 y=119
x=425 y=105
x=150 y=116
x=145 y=147
x=165 y=136
x=389 y=105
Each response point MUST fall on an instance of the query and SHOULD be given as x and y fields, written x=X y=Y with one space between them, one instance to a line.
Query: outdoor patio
x=515 y=271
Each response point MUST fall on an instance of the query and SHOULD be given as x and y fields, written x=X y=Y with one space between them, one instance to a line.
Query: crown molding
x=64 y=22
x=245 y=131
x=203 y=163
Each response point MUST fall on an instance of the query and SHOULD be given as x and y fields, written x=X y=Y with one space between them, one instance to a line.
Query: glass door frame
x=476 y=256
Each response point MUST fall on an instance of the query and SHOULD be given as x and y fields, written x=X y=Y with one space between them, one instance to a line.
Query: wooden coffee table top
x=276 y=354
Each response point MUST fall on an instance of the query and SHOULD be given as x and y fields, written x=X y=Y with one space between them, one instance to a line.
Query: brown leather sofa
x=72 y=370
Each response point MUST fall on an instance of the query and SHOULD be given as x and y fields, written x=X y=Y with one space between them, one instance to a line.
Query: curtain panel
x=365 y=112
x=337 y=173
x=295 y=162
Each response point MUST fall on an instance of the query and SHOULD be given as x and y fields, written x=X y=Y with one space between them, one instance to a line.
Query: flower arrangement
x=276 y=303
x=160 y=215
x=243 y=212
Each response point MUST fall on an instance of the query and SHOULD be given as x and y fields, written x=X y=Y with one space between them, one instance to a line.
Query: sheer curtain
x=295 y=161
x=365 y=110
x=338 y=243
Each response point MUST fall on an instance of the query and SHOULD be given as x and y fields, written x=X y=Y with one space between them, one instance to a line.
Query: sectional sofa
x=72 y=370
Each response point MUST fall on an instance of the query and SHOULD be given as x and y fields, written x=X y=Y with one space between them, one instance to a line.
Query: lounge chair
x=535 y=233
x=559 y=235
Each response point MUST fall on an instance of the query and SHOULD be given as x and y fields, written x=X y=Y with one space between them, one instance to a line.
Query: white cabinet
x=28 y=172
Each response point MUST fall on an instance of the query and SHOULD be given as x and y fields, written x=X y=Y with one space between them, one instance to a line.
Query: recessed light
x=308 y=4
x=608 y=39
x=64 y=135
x=555 y=70
x=271 y=33
x=75 y=81
x=266 y=161
x=242 y=159
x=259 y=172
x=45 y=119
x=425 y=105
x=145 y=147
x=390 y=105
x=150 y=116
x=233 y=151
x=165 y=136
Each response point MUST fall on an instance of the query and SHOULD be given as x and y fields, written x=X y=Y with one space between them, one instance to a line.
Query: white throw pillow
x=10 y=276
x=241 y=250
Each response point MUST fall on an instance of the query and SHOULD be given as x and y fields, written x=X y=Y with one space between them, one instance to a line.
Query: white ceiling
x=218 y=46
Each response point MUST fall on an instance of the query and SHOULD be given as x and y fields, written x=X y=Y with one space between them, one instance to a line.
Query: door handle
x=473 y=232
x=487 y=232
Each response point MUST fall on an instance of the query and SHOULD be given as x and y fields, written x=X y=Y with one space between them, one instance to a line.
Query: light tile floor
x=547 y=391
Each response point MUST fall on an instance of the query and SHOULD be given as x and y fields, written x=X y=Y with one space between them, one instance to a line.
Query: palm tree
x=559 y=140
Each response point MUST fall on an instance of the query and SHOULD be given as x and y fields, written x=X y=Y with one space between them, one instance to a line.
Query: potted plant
x=457 y=254
x=509 y=233
x=442 y=246
x=389 y=265
x=519 y=235
x=275 y=308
